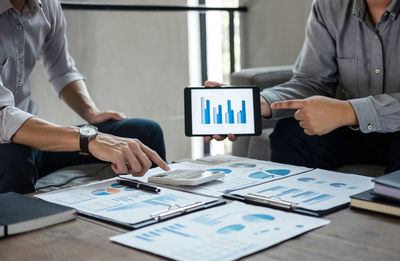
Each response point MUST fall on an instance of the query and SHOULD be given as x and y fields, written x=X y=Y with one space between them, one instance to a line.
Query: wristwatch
x=86 y=133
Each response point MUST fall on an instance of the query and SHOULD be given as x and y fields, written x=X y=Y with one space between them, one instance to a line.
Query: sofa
x=257 y=147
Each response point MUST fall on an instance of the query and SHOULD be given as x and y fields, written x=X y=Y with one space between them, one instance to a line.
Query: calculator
x=186 y=177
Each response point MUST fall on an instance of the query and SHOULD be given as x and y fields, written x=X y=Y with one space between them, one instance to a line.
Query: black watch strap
x=84 y=143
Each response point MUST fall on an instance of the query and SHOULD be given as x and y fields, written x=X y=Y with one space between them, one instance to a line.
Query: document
x=222 y=233
x=109 y=199
x=239 y=173
x=316 y=190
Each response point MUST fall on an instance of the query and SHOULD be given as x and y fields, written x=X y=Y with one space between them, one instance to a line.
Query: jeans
x=22 y=166
x=290 y=145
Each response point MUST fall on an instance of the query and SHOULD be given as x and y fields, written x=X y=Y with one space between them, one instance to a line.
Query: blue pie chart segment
x=306 y=179
x=280 y=172
x=338 y=185
x=230 y=229
x=257 y=218
x=260 y=175
x=227 y=171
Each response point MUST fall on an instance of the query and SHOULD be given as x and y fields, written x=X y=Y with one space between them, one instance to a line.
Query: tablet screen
x=223 y=111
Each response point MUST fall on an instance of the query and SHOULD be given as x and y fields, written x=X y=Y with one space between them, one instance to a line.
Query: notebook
x=369 y=201
x=21 y=213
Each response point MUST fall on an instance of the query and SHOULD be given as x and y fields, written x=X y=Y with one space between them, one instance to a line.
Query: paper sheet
x=315 y=190
x=239 y=173
x=222 y=233
x=124 y=204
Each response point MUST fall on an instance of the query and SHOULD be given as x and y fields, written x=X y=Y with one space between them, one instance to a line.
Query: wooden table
x=351 y=235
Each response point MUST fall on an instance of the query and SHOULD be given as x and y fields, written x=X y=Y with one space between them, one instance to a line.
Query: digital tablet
x=222 y=110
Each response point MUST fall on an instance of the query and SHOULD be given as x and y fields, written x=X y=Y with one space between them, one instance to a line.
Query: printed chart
x=223 y=233
x=315 y=190
x=239 y=174
x=112 y=200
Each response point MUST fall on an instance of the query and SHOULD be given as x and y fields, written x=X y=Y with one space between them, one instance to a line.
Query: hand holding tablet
x=222 y=110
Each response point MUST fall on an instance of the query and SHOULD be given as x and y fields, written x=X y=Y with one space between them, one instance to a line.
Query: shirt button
x=393 y=14
x=20 y=55
x=19 y=84
x=377 y=71
x=19 y=27
x=369 y=127
x=376 y=37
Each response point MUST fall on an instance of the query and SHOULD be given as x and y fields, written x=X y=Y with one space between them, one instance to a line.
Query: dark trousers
x=289 y=144
x=22 y=166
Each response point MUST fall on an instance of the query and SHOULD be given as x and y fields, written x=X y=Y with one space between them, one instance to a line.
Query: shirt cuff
x=62 y=81
x=11 y=119
x=366 y=114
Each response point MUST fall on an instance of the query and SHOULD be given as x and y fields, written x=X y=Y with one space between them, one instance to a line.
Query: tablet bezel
x=188 y=109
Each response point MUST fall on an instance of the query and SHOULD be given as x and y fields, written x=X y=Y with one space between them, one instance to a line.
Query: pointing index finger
x=292 y=104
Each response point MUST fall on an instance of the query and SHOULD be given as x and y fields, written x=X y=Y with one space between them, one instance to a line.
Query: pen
x=138 y=185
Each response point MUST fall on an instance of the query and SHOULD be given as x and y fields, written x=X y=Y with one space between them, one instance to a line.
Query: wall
x=272 y=31
x=135 y=62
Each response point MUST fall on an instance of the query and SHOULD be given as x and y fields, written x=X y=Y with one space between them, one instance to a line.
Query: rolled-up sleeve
x=315 y=70
x=11 y=118
x=56 y=58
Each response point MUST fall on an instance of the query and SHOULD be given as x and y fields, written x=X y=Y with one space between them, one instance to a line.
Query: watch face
x=88 y=130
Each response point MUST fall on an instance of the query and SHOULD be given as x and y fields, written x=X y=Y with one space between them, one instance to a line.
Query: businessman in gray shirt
x=352 y=47
x=31 y=147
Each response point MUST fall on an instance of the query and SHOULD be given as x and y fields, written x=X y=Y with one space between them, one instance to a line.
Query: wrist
x=350 y=117
x=265 y=108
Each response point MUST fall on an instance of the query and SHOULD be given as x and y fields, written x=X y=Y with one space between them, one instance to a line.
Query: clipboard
x=278 y=203
x=160 y=216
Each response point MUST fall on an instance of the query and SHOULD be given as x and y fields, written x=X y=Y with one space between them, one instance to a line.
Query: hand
x=231 y=137
x=102 y=116
x=126 y=155
x=319 y=115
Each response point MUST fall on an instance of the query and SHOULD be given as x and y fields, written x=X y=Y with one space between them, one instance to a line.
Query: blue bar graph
x=217 y=115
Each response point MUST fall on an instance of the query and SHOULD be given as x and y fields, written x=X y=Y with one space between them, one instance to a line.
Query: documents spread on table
x=217 y=232
x=239 y=173
x=109 y=199
x=316 y=190
x=222 y=233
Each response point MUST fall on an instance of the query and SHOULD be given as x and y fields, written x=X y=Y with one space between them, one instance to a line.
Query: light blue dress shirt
x=344 y=50
x=37 y=32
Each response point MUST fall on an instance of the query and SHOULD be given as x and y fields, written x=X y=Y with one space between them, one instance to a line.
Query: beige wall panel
x=272 y=31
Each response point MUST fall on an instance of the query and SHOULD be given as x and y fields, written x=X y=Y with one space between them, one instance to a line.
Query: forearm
x=46 y=136
x=76 y=96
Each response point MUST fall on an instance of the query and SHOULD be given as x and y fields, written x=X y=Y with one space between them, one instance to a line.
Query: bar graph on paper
x=216 y=115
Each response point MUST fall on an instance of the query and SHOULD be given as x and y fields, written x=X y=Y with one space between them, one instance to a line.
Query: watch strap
x=84 y=143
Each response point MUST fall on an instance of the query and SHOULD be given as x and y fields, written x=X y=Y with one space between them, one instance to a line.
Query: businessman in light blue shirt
x=31 y=147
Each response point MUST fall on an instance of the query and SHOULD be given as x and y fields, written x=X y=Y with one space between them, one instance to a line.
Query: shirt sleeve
x=315 y=70
x=11 y=118
x=56 y=58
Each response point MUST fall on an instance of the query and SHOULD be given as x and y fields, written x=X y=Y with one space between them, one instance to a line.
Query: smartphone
x=222 y=110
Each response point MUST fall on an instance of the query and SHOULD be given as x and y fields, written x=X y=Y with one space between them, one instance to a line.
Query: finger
x=135 y=166
x=218 y=137
x=299 y=115
x=153 y=156
x=207 y=138
x=232 y=137
x=309 y=132
x=119 y=167
x=292 y=104
x=144 y=161
x=212 y=84
x=118 y=116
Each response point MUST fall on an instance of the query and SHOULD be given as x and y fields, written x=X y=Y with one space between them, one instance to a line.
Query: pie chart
x=230 y=229
x=257 y=218
x=260 y=175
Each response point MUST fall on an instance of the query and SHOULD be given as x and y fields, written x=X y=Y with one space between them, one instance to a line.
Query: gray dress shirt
x=344 y=52
x=38 y=31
